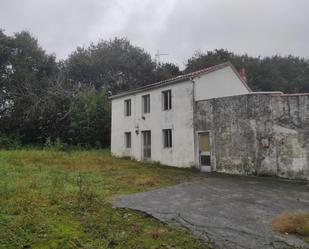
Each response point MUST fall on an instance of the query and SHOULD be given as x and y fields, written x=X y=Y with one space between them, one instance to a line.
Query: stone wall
x=257 y=134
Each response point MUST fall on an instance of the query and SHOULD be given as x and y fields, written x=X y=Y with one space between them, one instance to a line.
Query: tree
x=165 y=71
x=115 y=64
x=34 y=95
x=40 y=98
x=90 y=119
x=289 y=74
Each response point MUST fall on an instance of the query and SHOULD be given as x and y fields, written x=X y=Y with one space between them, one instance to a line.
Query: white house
x=156 y=122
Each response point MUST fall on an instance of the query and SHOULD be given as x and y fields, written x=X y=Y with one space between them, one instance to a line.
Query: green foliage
x=115 y=64
x=90 y=119
x=9 y=142
x=288 y=74
x=166 y=71
x=51 y=199
x=41 y=99
x=29 y=89
x=56 y=145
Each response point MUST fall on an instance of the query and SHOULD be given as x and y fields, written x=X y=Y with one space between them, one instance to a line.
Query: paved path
x=231 y=211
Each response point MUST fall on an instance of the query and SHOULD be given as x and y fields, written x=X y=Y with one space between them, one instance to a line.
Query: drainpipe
x=196 y=164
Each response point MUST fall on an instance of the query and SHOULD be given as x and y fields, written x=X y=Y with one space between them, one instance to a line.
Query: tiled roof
x=182 y=78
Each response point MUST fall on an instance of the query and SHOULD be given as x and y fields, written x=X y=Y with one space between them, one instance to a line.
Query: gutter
x=148 y=87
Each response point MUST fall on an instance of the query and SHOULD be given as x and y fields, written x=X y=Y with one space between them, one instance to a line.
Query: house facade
x=156 y=122
x=210 y=120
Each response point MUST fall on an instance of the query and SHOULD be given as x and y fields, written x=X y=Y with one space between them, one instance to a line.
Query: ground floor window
x=128 y=139
x=167 y=138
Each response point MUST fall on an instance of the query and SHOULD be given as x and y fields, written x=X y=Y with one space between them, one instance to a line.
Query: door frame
x=211 y=144
x=142 y=143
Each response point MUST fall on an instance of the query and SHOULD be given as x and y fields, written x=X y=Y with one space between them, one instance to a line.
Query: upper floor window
x=146 y=103
x=167 y=99
x=127 y=139
x=167 y=138
x=127 y=107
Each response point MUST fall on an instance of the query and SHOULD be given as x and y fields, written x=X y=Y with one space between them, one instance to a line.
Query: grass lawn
x=51 y=199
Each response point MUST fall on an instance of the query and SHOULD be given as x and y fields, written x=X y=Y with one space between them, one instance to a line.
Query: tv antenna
x=157 y=57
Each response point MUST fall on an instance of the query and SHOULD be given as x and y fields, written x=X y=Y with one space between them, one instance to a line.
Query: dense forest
x=45 y=101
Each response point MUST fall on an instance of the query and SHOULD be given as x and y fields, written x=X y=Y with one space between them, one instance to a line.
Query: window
x=127 y=107
x=167 y=99
x=146 y=103
x=127 y=139
x=205 y=160
x=167 y=138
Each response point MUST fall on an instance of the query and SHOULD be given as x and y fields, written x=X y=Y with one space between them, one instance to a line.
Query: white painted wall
x=220 y=83
x=179 y=119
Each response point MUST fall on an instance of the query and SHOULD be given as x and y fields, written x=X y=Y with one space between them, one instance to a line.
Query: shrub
x=57 y=145
x=9 y=142
x=148 y=182
x=294 y=223
x=48 y=143
x=90 y=119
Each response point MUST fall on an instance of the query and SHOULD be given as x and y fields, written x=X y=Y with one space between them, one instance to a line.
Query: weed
x=294 y=223
x=136 y=228
x=128 y=178
x=56 y=145
x=156 y=234
x=148 y=182
x=55 y=199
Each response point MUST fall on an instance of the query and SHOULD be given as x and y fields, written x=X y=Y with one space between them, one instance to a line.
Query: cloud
x=176 y=27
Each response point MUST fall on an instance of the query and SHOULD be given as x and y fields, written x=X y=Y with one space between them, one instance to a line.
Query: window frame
x=128 y=140
x=127 y=107
x=167 y=138
x=146 y=104
x=167 y=100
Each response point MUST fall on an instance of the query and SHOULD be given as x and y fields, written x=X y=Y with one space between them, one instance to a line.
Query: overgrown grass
x=51 y=199
x=292 y=223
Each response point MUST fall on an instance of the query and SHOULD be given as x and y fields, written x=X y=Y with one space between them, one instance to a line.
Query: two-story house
x=155 y=122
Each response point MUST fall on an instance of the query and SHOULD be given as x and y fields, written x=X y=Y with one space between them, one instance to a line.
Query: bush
x=57 y=145
x=90 y=120
x=9 y=142
x=294 y=223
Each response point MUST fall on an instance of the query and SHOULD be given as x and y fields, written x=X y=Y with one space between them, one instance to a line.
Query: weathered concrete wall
x=257 y=134
x=291 y=133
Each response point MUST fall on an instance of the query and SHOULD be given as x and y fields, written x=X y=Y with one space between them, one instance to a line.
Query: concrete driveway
x=231 y=211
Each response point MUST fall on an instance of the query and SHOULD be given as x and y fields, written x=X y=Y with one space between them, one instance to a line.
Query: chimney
x=243 y=74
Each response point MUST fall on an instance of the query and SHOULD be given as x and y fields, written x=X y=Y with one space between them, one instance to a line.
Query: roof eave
x=181 y=79
x=148 y=87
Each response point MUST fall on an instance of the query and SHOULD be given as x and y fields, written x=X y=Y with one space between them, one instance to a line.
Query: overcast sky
x=176 y=27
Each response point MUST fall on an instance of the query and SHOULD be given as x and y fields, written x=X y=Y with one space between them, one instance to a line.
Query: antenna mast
x=157 y=57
